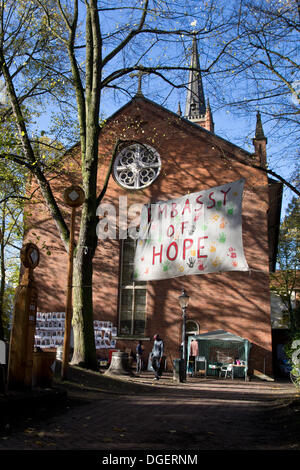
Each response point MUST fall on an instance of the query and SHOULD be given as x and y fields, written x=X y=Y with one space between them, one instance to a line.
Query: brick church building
x=187 y=157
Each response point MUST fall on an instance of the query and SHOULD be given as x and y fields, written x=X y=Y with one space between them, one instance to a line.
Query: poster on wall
x=198 y=233
x=50 y=331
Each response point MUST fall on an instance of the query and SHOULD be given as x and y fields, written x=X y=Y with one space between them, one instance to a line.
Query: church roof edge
x=181 y=118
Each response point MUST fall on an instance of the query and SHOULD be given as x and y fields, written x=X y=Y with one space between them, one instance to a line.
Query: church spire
x=195 y=102
x=209 y=123
x=260 y=142
x=179 y=112
x=259 y=132
x=195 y=108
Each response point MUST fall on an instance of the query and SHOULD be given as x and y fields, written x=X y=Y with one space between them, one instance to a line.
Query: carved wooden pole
x=73 y=197
x=24 y=321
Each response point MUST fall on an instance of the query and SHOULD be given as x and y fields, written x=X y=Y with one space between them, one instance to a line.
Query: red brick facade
x=193 y=159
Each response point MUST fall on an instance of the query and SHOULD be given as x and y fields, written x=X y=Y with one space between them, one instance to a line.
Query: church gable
x=191 y=156
x=145 y=120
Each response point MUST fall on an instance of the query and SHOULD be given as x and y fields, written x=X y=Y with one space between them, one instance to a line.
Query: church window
x=137 y=166
x=192 y=327
x=132 y=307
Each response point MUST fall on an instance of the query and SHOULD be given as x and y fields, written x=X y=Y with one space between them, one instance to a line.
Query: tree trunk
x=2 y=270
x=88 y=107
x=83 y=329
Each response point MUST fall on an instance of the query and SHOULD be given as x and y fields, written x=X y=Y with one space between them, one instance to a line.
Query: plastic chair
x=227 y=369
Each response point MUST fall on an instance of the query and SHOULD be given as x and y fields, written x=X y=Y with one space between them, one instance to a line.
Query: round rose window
x=137 y=166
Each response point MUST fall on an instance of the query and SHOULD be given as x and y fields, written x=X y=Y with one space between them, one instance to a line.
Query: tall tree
x=11 y=235
x=285 y=281
x=262 y=66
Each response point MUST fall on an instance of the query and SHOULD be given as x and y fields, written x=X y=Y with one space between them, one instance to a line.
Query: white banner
x=198 y=233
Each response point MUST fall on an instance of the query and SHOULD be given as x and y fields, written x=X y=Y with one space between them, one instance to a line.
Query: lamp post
x=74 y=197
x=183 y=302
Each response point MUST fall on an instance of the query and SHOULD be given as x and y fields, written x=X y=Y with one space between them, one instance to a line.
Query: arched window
x=132 y=308
x=192 y=327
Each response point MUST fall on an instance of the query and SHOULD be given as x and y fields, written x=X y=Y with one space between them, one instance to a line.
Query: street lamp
x=183 y=302
x=74 y=197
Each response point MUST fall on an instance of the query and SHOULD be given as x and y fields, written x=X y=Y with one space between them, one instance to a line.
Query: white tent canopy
x=219 y=335
x=213 y=343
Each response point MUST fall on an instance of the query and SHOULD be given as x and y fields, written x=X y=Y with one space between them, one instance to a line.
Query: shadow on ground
x=123 y=411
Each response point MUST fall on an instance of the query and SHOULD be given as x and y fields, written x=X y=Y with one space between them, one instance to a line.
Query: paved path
x=202 y=414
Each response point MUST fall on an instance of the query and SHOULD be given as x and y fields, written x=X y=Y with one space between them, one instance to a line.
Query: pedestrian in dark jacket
x=139 y=357
x=157 y=355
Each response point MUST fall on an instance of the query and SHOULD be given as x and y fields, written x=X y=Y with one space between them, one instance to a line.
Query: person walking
x=193 y=354
x=139 y=357
x=157 y=355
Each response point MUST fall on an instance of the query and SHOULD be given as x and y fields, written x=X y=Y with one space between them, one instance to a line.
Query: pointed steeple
x=179 y=112
x=195 y=102
x=195 y=108
x=260 y=142
x=259 y=132
x=209 y=123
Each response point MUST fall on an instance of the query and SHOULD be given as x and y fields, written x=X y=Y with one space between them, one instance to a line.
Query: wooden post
x=74 y=197
x=20 y=364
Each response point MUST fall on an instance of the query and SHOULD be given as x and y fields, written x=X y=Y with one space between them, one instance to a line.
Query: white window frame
x=134 y=286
